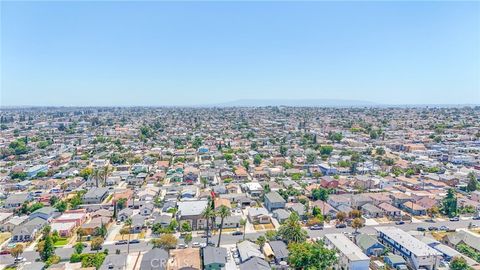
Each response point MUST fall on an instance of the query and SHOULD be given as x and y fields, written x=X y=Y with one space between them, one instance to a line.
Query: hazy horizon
x=208 y=53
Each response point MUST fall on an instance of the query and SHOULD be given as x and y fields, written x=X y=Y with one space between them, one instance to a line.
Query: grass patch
x=268 y=226
x=61 y=242
x=4 y=236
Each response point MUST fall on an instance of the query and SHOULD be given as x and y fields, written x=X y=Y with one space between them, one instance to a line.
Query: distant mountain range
x=297 y=103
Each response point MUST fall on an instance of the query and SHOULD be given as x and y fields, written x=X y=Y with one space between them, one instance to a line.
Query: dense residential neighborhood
x=240 y=188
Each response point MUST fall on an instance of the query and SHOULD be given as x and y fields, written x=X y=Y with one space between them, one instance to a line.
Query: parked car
x=454 y=219
x=432 y=228
x=400 y=222
x=237 y=233
x=476 y=218
x=443 y=228
x=421 y=229
x=430 y=220
x=316 y=227
x=341 y=226
x=195 y=244
x=20 y=259
x=5 y=252
x=135 y=241
x=121 y=242
x=181 y=246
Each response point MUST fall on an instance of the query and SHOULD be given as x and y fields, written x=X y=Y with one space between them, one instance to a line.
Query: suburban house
x=279 y=250
x=258 y=215
x=46 y=213
x=214 y=258
x=191 y=211
x=273 y=201
x=350 y=256
x=95 y=195
x=182 y=259
x=154 y=259
x=27 y=231
x=369 y=245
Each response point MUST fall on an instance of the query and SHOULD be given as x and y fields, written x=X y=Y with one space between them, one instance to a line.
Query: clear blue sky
x=186 y=53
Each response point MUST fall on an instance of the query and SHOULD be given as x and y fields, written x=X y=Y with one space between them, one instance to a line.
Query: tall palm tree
x=97 y=174
x=128 y=222
x=223 y=212
x=105 y=173
x=208 y=214
x=243 y=223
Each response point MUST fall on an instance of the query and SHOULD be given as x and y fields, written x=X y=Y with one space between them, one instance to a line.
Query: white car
x=195 y=244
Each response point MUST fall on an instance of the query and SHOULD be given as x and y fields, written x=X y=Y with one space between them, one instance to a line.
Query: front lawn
x=61 y=242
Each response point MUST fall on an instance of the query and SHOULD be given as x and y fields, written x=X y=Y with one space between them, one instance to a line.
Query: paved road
x=228 y=239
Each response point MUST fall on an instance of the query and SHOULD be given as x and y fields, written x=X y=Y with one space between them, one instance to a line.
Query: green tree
x=188 y=238
x=223 y=212
x=96 y=243
x=208 y=214
x=186 y=227
x=472 y=182
x=357 y=223
x=449 y=203
x=459 y=263
x=306 y=256
x=261 y=240
x=243 y=223
x=78 y=247
x=257 y=159
x=165 y=241
x=291 y=231
x=61 y=206
x=47 y=249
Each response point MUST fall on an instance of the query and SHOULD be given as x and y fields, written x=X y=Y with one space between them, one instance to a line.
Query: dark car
x=454 y=219
x=121 y=242
x=205 y=235
x=400 y=222
x=341 y=226
x=432 y=228
x=135 y=241
x=316 y=227
x=430 y=220
x=476 y=218
x=237 y=233
x=421 y=229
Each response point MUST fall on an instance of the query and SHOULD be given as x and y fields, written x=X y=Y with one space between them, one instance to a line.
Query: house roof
x=214 y=255
x=255 y=263
x=247 y=249
x=192 y=208
x=154 y=259
x=274 y=197
x=365 y=241
x=279 y=249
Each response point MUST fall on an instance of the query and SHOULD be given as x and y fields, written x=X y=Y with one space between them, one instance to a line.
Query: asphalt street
x=228 y=239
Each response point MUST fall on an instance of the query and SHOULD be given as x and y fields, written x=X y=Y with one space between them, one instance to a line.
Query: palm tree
x=97 y=174
x=208 y=214
x=243 y=223
x=128 y=222
x=223 y=212
x=105 y=173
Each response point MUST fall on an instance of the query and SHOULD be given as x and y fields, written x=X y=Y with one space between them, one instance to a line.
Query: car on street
x=5 y=252
x=121 y=242
x=454 y=219
x=476 y=218
x=443 y=228
x=237 y=233
x=135 y=241
x=181 y=246
x=432 y=228
x=316 y=227
x=20 y=259
x=400 y=222
x=421 y=229
x=430 y=220
x=341 y=226
x=196 y=244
